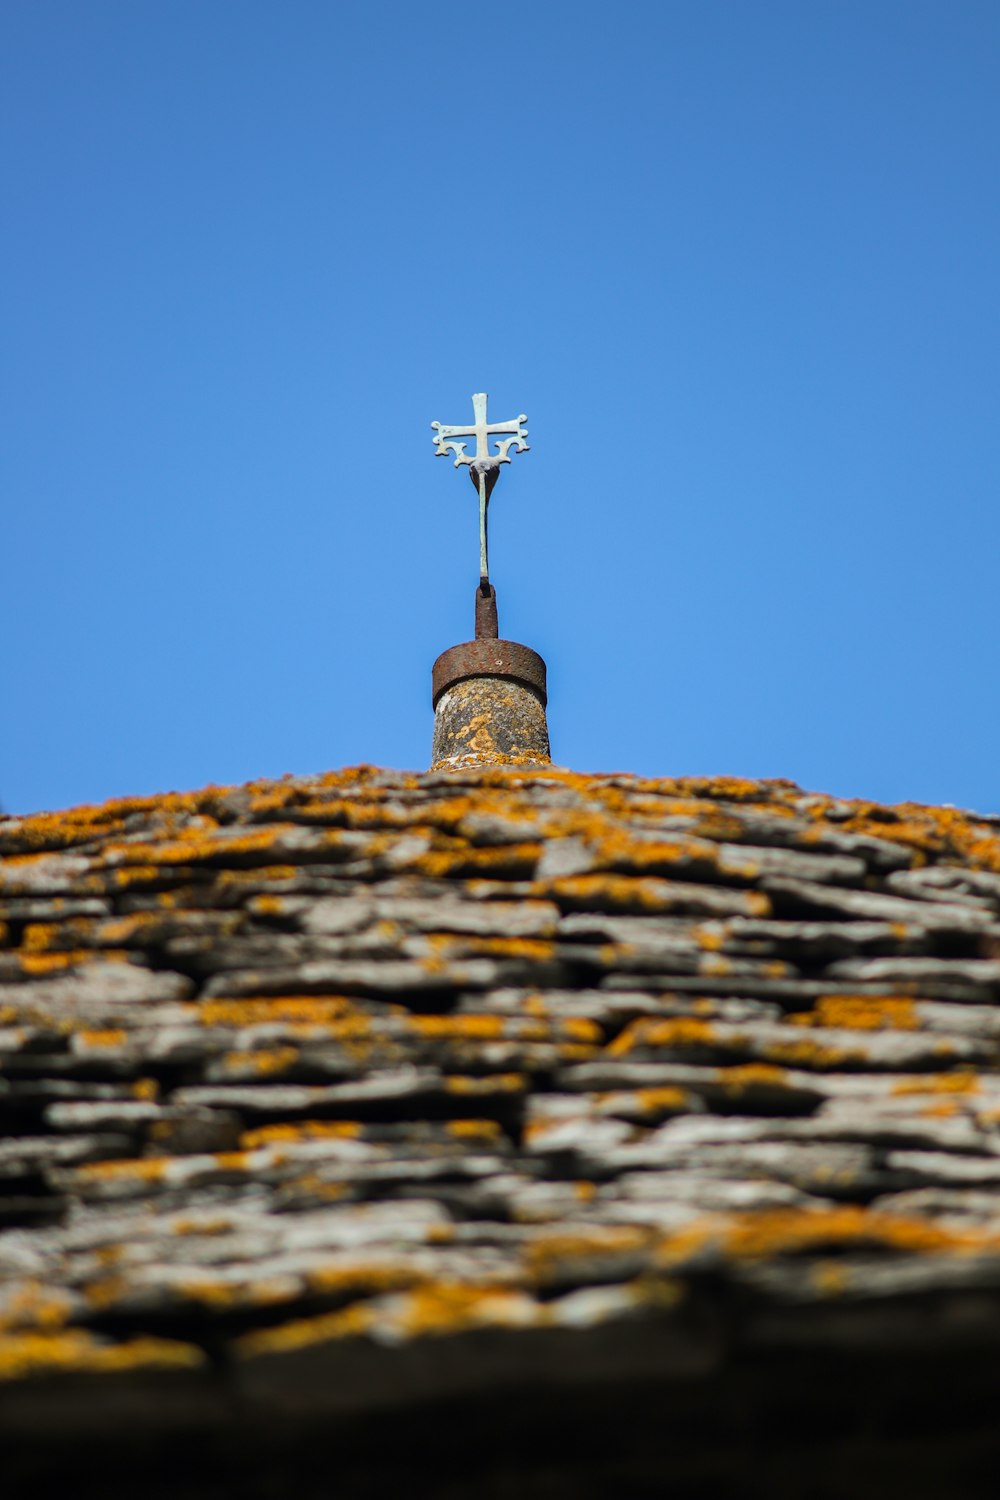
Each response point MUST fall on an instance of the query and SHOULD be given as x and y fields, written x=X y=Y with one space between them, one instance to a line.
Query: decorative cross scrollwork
x=484 y=466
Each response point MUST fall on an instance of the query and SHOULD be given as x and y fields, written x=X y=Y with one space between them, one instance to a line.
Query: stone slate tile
x=400 y=1045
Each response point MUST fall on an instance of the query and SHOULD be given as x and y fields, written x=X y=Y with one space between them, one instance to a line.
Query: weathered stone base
x=489 y=719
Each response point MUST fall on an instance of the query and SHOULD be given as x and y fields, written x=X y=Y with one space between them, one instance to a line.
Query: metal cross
x=484 y=466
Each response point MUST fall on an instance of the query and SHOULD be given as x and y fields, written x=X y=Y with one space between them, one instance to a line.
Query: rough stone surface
x=352 y=1092
x=486 y=717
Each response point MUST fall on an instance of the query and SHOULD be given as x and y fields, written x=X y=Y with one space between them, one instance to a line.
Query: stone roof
x=327 y=1093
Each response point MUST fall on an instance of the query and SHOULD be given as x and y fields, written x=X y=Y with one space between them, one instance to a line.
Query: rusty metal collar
x=489 y=659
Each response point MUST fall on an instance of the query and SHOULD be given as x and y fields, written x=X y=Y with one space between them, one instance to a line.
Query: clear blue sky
x=739 y=263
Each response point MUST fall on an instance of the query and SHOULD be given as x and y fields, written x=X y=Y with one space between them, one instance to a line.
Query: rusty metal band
x=489 y=659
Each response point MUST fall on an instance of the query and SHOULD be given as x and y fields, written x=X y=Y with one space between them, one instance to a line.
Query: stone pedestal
x=489 y=705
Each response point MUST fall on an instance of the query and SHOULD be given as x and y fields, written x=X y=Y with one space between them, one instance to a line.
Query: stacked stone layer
x=335 y=1091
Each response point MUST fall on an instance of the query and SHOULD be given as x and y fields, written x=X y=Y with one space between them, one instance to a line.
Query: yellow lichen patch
x=145 y=1088
x=124 y=929
x=475 y=1130
x=314 y=1185
x=485 y=759
x=796 y=1231
x=191 y=846
x=303 y=1130
x=46 y=937
x=709 y=939
x=452 y=1307
x=37 y=964
x=624 y=893
x=719 y=826
x=483 y=1028
x=31 y=1304
x=809 y=1054
x=264 y=1061
x=490 y=1083
x=442 y=864
x=267 y=906
x=74 y=1351
x=737 y=1080
x=861 y=1013
x=364 y=1278
x=113 y=1036
x=349 y=1322
x=681 y=1031
x=207 y=1226
x=140 y=1169
x=135 y=875
x=216 y=1292
x=552 y=1255
x=260 y=873
x=299 y=1009
x=107 y=1291
x=648 y=1105
x=937 y=1083
x=492 y=947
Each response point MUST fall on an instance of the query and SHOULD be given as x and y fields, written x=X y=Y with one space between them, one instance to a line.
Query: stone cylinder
x=489 y=706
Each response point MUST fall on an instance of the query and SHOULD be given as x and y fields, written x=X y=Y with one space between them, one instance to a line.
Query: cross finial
x=484 y=466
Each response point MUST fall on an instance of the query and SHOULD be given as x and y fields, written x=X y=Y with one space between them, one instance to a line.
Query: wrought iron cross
x=484 y=466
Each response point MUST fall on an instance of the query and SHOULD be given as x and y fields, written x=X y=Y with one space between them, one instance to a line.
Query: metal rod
x=484 y=562
x=487 y=624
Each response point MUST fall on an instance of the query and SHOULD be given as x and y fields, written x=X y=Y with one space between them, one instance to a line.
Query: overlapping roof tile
x=335 y=1074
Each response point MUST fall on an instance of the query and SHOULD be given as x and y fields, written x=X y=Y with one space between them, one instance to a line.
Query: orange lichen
x=800 y=1231
x=861 y=1013
x=937 y=1083
x=492 y=947
x=551 y=1255
x=112 y=1037
x=710 y=940
x=490 y=1083
x=34 y=1354
x=349 y=1322
x=216 y=1292
x=201 y=1226
x=105 y=1292
x=810 y=1054
x=451 y=1307
x=510 y=859
x=51 y=963
x=751 y=1075
x=267 y=906
x=477 y=1130
x=263 y=1061
x=304 y=1130
x=364 y=1279
x=304 y=1009
x=34 y=1305
x=681 y=1031
x=648 y=1104
x=484 y=1028
x=142 y=1169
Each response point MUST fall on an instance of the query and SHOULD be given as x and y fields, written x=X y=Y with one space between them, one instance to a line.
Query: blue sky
x=739 y=263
